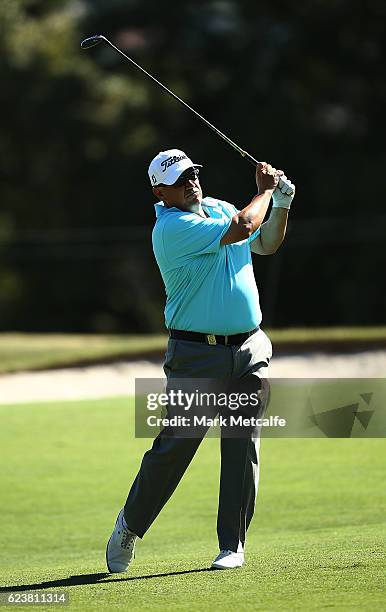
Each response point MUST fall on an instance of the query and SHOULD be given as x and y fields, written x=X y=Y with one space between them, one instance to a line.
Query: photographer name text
x=219 y=421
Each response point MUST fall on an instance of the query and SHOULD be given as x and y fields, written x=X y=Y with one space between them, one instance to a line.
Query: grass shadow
x=82 y=579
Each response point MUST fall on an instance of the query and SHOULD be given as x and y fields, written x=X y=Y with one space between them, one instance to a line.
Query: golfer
x=203 y=249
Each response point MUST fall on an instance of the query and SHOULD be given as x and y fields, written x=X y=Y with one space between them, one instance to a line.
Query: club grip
x=254 y=162
x=249 y=158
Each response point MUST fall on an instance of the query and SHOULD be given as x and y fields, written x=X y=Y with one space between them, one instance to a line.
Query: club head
x=92 y=41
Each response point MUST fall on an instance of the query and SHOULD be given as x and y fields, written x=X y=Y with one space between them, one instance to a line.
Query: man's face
x=185 y=192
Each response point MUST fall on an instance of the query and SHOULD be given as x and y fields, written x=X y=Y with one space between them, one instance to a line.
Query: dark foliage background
x=298 y=84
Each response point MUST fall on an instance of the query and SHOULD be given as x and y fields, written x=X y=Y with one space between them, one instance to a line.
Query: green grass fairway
x=317 y=540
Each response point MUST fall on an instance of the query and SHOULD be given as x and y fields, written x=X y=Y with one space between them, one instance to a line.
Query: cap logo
x=153 y=178
x=166 y=163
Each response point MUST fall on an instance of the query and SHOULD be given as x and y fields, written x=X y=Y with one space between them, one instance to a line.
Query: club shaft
x=94 y=40
x=246 y=155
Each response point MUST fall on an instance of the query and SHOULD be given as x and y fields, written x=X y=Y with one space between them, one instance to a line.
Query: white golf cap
x=167 y=166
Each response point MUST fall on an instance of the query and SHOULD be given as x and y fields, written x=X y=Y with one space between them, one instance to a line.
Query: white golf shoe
x=120 y=547
x=227 y=559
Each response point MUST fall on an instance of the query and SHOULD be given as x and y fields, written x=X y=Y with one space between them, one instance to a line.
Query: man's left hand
x=284 y=193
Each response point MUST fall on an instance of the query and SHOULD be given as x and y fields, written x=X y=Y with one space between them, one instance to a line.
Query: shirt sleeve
x=186 y=235
x=254 y=235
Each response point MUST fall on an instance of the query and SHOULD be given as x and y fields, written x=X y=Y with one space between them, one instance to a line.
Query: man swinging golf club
x=203 y=249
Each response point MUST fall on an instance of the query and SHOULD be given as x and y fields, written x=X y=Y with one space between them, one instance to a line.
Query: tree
x=299 y=85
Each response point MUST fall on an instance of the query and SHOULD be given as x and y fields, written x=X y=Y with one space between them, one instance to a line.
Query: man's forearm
x=249 y=219
x=254 y=213
x=272 y=232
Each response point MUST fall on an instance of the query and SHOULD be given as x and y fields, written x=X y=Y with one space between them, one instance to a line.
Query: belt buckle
x=211 y=338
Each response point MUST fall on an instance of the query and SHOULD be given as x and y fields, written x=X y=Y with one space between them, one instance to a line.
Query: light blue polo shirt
x=210 y=288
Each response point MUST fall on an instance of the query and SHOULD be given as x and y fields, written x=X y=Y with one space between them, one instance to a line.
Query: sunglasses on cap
x=191 y=174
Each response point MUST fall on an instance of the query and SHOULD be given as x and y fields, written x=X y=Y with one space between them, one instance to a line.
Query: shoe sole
x=221 y=567
x=107 y=561
x=107 y=548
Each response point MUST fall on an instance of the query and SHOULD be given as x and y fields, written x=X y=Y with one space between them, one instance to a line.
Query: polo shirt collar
x=161 y=209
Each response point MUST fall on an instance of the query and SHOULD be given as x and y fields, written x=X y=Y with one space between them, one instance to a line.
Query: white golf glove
x=284 y=193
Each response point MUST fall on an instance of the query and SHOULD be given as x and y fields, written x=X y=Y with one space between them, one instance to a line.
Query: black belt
x=212 y=339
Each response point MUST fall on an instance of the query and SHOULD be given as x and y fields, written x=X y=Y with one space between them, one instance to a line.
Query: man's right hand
x=267 y=177
x=250 y=218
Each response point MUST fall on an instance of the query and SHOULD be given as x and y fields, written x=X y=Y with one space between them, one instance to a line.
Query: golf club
x=92 y=41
